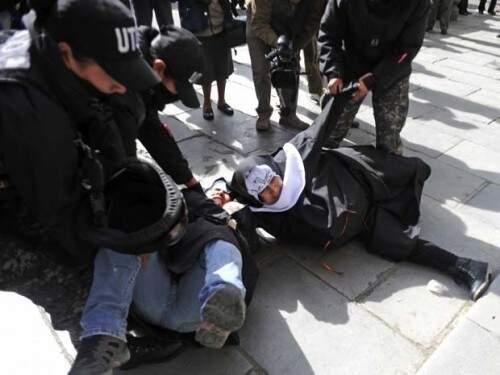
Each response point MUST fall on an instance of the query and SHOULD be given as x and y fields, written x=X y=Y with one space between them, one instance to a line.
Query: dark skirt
x=218 y=59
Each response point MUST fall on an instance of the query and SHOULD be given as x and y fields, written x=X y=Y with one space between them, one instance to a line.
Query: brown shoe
x=293 y=122
x=263 y=124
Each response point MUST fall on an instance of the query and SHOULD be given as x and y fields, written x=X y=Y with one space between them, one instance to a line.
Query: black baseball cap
x=105 y=31
x=184 y=59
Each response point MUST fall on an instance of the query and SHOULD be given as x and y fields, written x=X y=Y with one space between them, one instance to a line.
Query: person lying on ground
x=304 y=193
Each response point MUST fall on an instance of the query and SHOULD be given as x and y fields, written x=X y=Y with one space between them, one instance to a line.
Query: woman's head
x=98 y=42
x=264 y=184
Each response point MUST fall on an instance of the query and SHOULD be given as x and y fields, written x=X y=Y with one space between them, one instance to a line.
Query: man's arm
x=162 y=146
x=260 y=21
x=311 y=24
x=397 y=64
x=331 y=35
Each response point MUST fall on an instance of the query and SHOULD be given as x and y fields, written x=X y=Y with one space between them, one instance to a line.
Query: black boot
x=148 y=350
x=474 y=274
x=99 y=355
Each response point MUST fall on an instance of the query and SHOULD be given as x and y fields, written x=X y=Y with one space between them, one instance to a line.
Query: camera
x=285 y=68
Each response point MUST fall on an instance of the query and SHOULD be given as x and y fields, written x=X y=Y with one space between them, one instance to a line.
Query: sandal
x=226 y=109
x=208 y=114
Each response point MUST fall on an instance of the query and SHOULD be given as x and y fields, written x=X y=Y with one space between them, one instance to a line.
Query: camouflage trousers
x=390 y=108
x=60 y=290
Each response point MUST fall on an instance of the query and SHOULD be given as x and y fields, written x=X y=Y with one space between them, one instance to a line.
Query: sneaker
x=293 y=122
x=475 y=274
x=99 y=355
x=263 y=123
x=222 y=313
x=444 y=31
x=492 y=12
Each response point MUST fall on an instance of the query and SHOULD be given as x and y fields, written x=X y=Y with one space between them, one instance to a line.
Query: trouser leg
x=344 y=123
x=288 y=100
x=482 y=5
x=176 y=303
x=390 y=108
x=433 y=14
x=110 y=296
x=163 y=12
x=311 y=62
x=493 y=4
x=260 y=73
x=143 y=12
x=428 y=254
x=445 y=13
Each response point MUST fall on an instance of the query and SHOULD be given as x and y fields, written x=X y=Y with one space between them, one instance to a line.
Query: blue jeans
x=174 y=303
x=161 y=300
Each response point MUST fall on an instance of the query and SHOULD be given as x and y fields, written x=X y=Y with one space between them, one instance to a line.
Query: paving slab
x=239 y=132
x=215 y=161
x=486 y=311
x=298 y=325
x=179 y=129
x=460 y=233
x=228 y=361
x=404 y=303
x=475 y=159
x=448 y=184
x=28 y=345
x=485 y=206
x=415 y=136
x=468 y=350
x=350 y=269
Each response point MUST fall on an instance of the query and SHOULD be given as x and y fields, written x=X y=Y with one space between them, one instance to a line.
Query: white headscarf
x=257 y=179
x=294 y=182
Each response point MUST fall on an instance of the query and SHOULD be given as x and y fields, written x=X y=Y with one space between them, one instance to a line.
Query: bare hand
x=335 y=85
x=361 y=93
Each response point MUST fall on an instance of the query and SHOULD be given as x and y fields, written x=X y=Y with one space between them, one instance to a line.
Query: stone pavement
x=346 y=311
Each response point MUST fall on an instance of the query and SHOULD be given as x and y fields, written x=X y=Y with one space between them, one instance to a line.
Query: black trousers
x=428 y=254
x=462 y=6
x=491 y=8
x=144 y=12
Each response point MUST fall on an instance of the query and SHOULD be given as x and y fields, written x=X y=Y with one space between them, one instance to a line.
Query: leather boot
x=474 y=274
x=291 y=120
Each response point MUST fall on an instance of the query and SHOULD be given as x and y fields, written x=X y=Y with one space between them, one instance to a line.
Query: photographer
x=373 y=42
x=266 y=21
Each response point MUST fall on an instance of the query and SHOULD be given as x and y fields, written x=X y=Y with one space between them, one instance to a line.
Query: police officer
x=51 y=84
x=372 y=42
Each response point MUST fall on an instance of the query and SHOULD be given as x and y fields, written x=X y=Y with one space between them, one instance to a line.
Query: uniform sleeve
x=311 y=26
x=160 y=143
x=331 y=35
x=260 y=21
x=397 y=64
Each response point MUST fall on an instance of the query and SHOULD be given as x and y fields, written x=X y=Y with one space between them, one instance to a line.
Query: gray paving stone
x=404 y=302
x=486 y=311
x=473 y=69
x=468 y=350
x=27 y=344
x=297 y=325
x=441 y=84
x=215 y=161
x=351 y=270
x=448 y=184
x=177 y=107
x=179 y=129
x=227 y=361
x=238 y=132
x=460 y=233
x=416 y=136
x=475 y=159
x=485 y=206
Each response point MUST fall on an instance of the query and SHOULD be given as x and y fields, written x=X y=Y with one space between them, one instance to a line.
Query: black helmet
x=145 y=211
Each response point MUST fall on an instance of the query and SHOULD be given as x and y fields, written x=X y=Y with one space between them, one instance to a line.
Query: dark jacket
x=348 y=192
x=297 y=19
x=43 y=109
x=371 y=36
x=195 y=17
